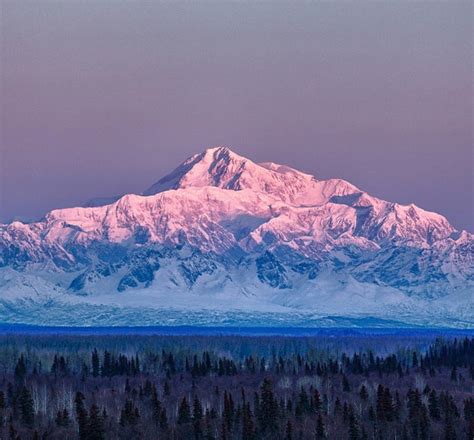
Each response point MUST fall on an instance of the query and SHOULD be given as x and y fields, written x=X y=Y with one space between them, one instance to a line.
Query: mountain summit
x=222 y=168
x=224 y=240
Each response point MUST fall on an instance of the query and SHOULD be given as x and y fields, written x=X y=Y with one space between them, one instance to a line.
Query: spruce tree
x=289 y=431
x=302 y=407
x=353 y=425
x=433 y=405
x=26 y=407
x=363 y=393
x=20 y=369
x=346 y=386
x=2 y=408
x=129 y=415
x=155 y=406
x=95 y=363
x=208 y=435
x=96 y=424
x=184 y=412
x=454 y=374
x=317 y=404
x=197 y=418
x=268 y=407
x=81 y=416
x=320 y=433
x=163 y=420
x=59 y=418
x=248 y=428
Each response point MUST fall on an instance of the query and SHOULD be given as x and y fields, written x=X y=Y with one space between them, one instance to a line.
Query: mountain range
x=222 y=240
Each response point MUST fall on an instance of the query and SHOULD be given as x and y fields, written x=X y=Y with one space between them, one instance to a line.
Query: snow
x=361 y=256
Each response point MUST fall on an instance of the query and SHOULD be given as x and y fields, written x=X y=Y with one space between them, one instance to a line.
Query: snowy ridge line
x=222 y=230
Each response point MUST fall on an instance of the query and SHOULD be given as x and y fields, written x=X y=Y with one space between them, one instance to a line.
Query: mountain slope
x=221 y=233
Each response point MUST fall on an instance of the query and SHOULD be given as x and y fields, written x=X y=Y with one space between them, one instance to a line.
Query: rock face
x=221 y=240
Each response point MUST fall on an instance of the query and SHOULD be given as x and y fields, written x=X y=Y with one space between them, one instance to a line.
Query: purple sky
x=101 y=98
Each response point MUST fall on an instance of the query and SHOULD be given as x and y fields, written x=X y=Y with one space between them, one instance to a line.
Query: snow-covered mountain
x=224 y=240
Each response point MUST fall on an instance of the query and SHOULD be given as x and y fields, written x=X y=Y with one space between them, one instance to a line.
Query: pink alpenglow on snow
x=225 y=238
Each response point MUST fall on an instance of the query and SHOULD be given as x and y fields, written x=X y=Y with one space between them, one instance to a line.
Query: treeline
x=207 y=395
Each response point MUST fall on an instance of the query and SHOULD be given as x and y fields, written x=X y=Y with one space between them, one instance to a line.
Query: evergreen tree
x=302 y=406
x=417 y=415
x=166 y=389
x=2 y=408
x=81 y=416
x=248 y=428
x=384 y=407
x=96 y=424
x=454 y=374
x=106 y=370
x=129 y=415
x=26 y=407
x=20 y=369
x=208 y=435
x=414 y=360
x=268 y=411
x=197 y=418
x=289 y=431
x=59 y=418
x=317 y=404
x=363 y=393
x=228 y=411
x=184 y=412
x=163 y=420
x=66 y=420
x=95 y=363
x=433 y=406
x=346 y=386
x=353 y=425
x=449 y=430
x=320 y=433
x=155 y=406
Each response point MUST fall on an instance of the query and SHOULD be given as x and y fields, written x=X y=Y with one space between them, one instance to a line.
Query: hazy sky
x=104 y=97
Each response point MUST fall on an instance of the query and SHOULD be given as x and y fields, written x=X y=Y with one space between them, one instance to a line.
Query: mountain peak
x=221 y=160
x=213 y=167
x=219 y=151
x=218 y=154
x=223 y=168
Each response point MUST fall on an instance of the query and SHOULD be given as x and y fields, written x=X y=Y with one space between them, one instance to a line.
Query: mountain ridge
x=221 y=230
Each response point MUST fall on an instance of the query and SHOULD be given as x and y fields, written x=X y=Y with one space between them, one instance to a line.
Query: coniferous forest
x=236 y=387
